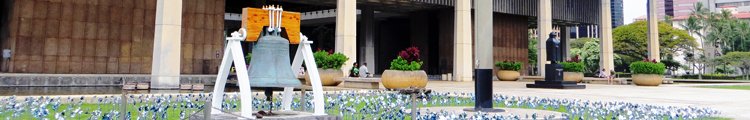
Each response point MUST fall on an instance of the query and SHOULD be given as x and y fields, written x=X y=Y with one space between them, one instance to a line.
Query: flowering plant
x=407 y=60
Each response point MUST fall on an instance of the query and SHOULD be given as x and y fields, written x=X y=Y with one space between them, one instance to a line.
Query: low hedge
x=512 y=66
x=573 y=66
x=643 y=67
x=712 y=76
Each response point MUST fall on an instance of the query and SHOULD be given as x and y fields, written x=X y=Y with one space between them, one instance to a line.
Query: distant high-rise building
x=736 y=6
x=617 y=15
x=675 y=8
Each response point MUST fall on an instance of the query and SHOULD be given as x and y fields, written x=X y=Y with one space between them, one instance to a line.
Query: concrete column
x=544 y=25
x=565 y=36
x=462 y=66
x=368 y=50
x=596 y=31
x=483 y=34
x=653 y=31
x=607 y=59
x=589 y=32
x=165 y=67
x=346 y=31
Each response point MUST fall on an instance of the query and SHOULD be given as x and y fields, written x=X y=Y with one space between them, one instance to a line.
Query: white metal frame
x=233 y=54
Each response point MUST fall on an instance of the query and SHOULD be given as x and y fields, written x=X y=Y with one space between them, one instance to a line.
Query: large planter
x=573 y=76
x=507 y=75
x=647 y=79
x=396 y=79
x=328 y=77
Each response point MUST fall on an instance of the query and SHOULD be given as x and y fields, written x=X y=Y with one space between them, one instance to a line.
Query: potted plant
x=573 y=69
x=508 y=71
x=647 y=73
x=329 y=67
x=405 y=71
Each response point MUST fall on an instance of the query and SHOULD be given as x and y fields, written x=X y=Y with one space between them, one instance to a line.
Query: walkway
x=732 y=103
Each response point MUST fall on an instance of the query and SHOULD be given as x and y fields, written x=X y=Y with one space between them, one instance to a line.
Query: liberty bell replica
x=270 y=65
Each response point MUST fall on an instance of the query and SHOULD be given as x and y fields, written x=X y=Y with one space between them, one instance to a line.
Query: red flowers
x=650 y=60
x=574 y=59
x=330 y=51
x=410 y=54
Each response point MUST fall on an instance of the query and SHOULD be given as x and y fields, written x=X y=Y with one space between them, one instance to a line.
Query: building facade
x=136 y=36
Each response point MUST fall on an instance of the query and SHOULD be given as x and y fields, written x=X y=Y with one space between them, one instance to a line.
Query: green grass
x=716 y=118
x=734 y=87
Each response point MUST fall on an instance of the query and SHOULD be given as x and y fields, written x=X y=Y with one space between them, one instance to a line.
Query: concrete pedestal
x=554 y=79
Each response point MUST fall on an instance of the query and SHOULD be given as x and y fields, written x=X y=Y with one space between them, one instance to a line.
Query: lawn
x=734 y=87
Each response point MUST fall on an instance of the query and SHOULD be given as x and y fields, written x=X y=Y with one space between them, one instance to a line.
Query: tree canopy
x=589 y=54
x=738 y=59
x=631 y=40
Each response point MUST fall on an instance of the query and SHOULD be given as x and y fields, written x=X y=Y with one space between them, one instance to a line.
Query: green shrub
x=573 y=66
x=404 y=65
x=642 y=67
x=248 y=57
x=711 y=76
x=512 y=66
x=326 y=60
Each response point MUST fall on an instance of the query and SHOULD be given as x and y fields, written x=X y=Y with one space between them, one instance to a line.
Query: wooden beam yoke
x=254 y=19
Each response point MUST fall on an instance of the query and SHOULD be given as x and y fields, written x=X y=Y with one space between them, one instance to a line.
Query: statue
x=553 y=49
x=553 y=72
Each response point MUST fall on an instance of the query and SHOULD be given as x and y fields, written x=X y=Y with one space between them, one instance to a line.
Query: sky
x=633 y=9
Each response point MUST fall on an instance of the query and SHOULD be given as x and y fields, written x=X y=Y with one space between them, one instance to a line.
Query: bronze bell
x=270 y=65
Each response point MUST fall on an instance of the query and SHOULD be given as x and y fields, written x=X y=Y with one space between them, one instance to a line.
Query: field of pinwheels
x=347 y=104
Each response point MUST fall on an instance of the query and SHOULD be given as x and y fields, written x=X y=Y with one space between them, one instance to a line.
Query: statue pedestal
x=553 y=78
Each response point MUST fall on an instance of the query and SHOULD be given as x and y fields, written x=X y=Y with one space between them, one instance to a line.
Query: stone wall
x=511 y=39
x=107 y=36
x=88 y=80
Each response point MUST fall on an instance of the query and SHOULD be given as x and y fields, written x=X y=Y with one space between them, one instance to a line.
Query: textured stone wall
x=511 y=39
x=88 y=80
x=107 y=36
x=202 y=36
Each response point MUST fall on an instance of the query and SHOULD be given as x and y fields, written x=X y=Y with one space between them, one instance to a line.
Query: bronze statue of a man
x=553 y=73
x=554 y=49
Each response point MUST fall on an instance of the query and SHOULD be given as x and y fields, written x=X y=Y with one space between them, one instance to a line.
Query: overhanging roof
x=564 y=12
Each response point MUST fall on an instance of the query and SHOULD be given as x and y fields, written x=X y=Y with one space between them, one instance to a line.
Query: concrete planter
x=573 y=76
x=507 y=75
x=647 y=79
x=396 y=79
x=328 y=77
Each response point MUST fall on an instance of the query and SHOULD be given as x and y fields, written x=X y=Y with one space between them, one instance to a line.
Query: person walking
x=363 y=72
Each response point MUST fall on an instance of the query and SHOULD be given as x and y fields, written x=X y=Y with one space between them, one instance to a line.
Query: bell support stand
x=304 y=54
x=233 y=54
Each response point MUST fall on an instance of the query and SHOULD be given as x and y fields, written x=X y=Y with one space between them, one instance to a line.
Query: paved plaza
x=732 y=103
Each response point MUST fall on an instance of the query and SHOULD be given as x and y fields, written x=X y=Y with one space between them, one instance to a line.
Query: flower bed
x=372 y=104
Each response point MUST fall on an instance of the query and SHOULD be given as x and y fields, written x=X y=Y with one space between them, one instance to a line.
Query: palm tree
x=695 y=25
